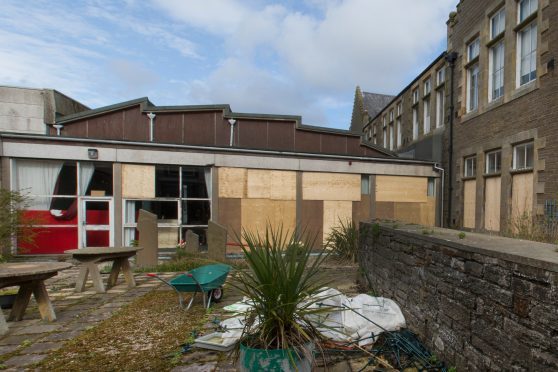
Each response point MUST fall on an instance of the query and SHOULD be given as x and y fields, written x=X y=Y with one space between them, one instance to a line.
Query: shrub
x=343 y=240
x=529 y=227
x=13 y=222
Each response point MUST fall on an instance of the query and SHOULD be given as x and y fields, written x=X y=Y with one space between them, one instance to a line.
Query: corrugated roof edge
x=147 y=106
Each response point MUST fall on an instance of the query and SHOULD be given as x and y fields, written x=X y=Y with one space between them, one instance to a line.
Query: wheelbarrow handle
x=153 y=275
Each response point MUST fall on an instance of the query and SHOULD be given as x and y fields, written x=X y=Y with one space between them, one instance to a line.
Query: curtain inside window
x=37 y=177
x=86 y=171
x=207 y=176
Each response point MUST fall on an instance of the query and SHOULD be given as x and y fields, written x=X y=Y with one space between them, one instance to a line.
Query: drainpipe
x=232 y=122
x=151 y=117
x=441 y=170
x=451 y=58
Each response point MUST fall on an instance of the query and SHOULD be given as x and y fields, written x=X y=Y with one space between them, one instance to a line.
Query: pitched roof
x=374 y=103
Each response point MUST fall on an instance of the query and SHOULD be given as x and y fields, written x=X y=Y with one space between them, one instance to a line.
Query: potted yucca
x=283 y=285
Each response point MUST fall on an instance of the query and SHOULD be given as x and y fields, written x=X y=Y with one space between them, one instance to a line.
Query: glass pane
x=166 y=181
x=364 y=184
x=529 y=155
x=165 y=210
x=97 y=239
x=196 y=212
x=97 y=213
x=196 y=182
x=51 y=240
x=96 y=179
x=200 y=231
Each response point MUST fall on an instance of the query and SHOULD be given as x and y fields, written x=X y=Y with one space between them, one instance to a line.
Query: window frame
x=399 y=108
x=391 y=115
x=441 y=76
x=470 y=75
x=415 y=122
x=532 y=10
x=532 y=75
x=426 y=116
x=472 y=159
x=415 y=94
x=493 y=73
x=473 y=48
x=524 y=147
x=427 y=86
x=399 y=134
x=385 y=139
x=500 y=17
x=497 y=156
x=440 y=109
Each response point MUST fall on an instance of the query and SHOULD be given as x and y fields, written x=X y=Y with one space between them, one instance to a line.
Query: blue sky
x=289 y=57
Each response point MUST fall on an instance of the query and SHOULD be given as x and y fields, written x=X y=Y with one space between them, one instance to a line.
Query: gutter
x=215 y=148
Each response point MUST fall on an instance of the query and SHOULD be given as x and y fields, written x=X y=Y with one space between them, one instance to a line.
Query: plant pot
x=274 y=360
x=7 y=301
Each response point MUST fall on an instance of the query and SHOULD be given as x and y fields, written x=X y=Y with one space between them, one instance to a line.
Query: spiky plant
x=283 y=283
x=343 y=240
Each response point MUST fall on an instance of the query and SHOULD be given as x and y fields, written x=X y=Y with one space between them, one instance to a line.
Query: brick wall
x=524 y=113
x=474 y=302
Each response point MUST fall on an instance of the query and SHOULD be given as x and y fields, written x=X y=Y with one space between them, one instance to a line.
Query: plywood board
x=330 y=186
x=522 y=197
x=257 y=213
x=138 y=181
x=258 y=184
x=401 y=189
x=428 y=212
x=335 y=211
x=469 y=203
x=492 y=193
x=232 y=182
x=312 y=219
x=283 y=185
x=229 y=216
x=361 y=210
x=408 y=212
x=385 y=210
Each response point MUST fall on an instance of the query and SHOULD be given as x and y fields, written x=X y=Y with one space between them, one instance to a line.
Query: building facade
x=506 y=121
x=495 y=132
x=94 y=170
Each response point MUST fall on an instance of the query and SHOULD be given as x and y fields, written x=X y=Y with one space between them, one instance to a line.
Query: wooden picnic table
x=30 y=277
x=90 y=257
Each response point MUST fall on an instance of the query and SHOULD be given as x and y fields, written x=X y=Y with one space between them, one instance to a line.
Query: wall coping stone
x=526 y=252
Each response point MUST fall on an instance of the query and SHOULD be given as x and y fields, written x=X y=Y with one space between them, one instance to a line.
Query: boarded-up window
x=492 y=192
x=522 y=199
x=469 y=198
x=138 y=181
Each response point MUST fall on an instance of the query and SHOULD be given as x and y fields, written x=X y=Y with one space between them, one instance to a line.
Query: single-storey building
x=92 y=172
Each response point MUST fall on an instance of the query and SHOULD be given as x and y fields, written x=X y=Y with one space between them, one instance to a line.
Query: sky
x=292 y=57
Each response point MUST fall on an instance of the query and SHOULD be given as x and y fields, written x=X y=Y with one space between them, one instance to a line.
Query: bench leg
x=82 y=278
x=96 y=277
x=21 y=301
x=127 y=271
x=45 y=306
x=3 y=325
x=114 y=271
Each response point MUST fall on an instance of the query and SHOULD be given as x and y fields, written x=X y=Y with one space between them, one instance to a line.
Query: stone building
x=506 y=121
x=495 y=134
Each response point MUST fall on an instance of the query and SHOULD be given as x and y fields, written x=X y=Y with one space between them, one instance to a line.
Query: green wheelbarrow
x=207 y=280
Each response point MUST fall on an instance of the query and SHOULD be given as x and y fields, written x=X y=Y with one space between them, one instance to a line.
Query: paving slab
x=43 y=347
x=35 y=329
x=21 y=361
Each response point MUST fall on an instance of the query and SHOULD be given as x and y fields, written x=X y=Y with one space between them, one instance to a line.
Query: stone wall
x=480 y=303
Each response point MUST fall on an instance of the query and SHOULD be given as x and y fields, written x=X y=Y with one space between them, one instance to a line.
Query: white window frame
x=493 y=158
x=470 y=166
x=441 y=76
x=391 y=137
x=520 y=152
x=532 y=6
x=498 y=23
x=473 y=87
x=399 y=108
x=440 y=109
x=496 y=70
x=384 y=135
x=415 y=95
x=398 y=124
x=391 y=116
x=531 y=56
x=426 y=114
x=473 y=49
x=415 y=122
x=427 y=86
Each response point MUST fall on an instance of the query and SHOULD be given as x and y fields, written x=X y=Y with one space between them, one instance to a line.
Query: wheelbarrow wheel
x=216 y=294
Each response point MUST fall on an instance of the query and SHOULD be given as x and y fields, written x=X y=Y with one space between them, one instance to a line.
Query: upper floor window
x=527 y=53
x=473 y=50
x=391 y=116
x=497 y=23
x=440 y=76
x=384 y=134
x=493 y=162
x=470 y=169
x=374 y=128
x=426 y=112
x=496 y=62
x=415 y=122
x=473 y=87
x=526 y=8
x=415 y=96
x=399 y=109
x=399 y=134
x=440 y=109
x=523 y=156
x=391 y=137
x=427 y=86
x=384 y=120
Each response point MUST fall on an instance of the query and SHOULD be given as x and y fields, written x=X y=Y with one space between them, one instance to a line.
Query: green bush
x=343 y=240
x=13 y=223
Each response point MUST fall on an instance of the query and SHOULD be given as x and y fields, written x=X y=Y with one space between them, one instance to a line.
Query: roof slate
x=374 y=102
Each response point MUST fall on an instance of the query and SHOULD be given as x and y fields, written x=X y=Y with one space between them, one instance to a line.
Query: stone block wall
x=479 y=303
